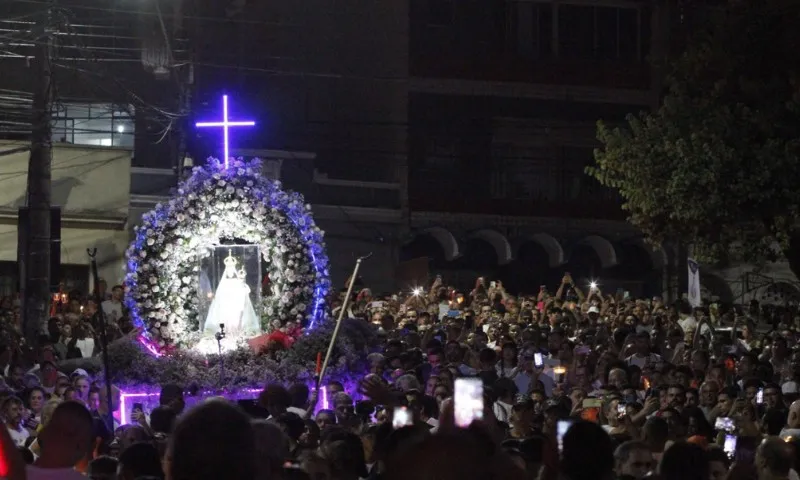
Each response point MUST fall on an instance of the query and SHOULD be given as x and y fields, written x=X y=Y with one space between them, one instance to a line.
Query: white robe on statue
x=231 y=305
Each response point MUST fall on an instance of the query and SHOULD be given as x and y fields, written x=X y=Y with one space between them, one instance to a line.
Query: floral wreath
x=216 y=203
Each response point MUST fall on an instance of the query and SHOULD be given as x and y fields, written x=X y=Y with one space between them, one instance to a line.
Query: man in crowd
x=113 y=308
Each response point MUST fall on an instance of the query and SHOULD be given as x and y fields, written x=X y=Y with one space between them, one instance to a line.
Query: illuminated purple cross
x=225 y=124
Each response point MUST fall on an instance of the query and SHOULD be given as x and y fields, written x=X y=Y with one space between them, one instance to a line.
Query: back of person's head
x=400 y=440
x=683 y=461
x=213 y=440
x=140 y=460
x=299 y=395
x=656 y=433
x=444 y=456
x=773 y=421
x=272 y=447
x=162 y=419
x=275 y=398
x=588 y=452
x=67 y=438
x=345 y=453
x=774 y=457
x=291 y=424
x=103 y=467
x=172 y=396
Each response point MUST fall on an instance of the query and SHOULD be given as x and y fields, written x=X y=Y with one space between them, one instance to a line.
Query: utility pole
x=36 y=293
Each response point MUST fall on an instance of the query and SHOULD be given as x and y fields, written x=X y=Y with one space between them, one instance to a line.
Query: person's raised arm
x=433 y=292
x=565 y=281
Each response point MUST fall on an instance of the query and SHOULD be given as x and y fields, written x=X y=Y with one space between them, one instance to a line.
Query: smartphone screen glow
x=561 y=429
x=468 y=401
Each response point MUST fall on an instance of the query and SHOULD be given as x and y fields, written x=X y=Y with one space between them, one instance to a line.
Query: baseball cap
x=593 y=309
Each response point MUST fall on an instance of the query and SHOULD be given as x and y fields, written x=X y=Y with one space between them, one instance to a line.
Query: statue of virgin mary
x=231 y=305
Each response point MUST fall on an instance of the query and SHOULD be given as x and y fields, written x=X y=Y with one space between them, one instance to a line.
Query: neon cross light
x=225 y=124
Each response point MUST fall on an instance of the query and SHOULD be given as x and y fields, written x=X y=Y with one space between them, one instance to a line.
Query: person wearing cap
x=594 y=314
x=522 y=414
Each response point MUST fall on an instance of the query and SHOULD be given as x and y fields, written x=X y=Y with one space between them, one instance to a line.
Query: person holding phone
x=528 y=377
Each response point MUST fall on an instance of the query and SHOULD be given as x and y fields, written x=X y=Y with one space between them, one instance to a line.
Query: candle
x=319 y=362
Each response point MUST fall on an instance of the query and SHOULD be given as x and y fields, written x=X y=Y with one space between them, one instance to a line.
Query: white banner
x=694 y=283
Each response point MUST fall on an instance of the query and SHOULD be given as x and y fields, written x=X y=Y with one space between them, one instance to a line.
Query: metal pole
x=101 y=322
x=339 y=319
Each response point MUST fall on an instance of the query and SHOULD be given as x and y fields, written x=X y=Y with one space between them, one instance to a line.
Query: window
x=576 y=31
x=100 y=124
x=442 y=153
x=441 y=12
x=531 y=28
x=603 y=33
x=524 y=173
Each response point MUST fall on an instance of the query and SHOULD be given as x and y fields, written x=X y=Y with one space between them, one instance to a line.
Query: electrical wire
x=186 y=17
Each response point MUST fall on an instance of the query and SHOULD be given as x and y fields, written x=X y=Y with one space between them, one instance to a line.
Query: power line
x=186 y=17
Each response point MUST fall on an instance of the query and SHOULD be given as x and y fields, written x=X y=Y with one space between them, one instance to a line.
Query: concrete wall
x=92 y=186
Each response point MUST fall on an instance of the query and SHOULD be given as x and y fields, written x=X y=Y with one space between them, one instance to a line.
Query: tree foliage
x=716 y=165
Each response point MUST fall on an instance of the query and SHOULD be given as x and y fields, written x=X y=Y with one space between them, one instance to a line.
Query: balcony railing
x=429 y=193
x=515 y=68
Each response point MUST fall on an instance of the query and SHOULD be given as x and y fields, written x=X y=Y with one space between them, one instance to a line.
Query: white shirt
x=18 y=436
x=641 y=361
x=112 y=310
x=502 y=411
x=688 y=323
x=36 y=473
x=523 y=382
x=86 y=346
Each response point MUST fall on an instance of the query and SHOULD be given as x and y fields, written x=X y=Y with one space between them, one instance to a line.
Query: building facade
x=505 y=97
x=451 y=130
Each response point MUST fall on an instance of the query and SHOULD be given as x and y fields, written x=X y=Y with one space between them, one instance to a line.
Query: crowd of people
x=573 y=383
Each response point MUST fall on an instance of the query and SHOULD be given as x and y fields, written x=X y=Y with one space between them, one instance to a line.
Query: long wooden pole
x=339 y=319
x=100 y=322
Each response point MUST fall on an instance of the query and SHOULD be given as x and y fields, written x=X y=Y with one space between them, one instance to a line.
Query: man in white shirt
x=527 y=376
x=112 y=309
x=66 y=440
x=642 y=356
x=13 y=411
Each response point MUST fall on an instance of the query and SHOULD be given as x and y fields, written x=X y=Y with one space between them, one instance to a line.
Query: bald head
x=68 y=437
x=793 y=421
x=774 y=456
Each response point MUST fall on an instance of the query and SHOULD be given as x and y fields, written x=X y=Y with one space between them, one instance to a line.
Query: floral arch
x=212 y=204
